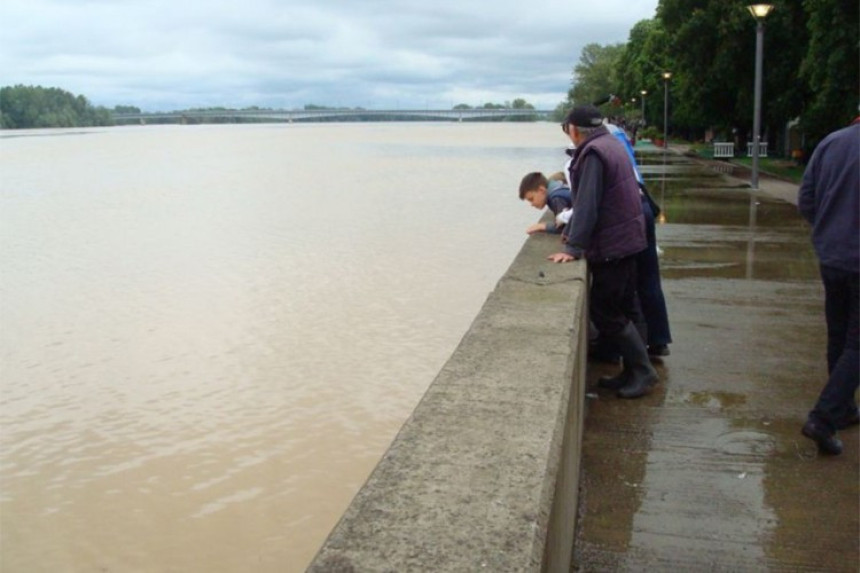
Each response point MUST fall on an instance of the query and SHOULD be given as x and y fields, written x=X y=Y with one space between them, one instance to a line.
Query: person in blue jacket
x=829 y=199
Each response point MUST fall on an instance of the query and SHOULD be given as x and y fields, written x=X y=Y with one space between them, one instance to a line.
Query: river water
x=210 y=334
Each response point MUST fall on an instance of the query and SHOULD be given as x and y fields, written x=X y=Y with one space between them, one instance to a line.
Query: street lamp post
x=644 y=93
x=759 y=12
x=666 y=77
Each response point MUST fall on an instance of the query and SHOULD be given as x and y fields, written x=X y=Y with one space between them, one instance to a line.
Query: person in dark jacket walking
x=829 y=198
x=608 y=230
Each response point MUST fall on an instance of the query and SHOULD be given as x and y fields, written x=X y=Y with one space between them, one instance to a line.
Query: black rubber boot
x=614 y=382
x=639 y=373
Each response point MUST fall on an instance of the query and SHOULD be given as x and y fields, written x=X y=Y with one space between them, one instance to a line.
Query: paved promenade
x=710 y=471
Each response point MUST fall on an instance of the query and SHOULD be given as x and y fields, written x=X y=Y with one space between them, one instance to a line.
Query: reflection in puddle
x=714 y=400
x=705 y=231
x=677 y=481
x=745 y=443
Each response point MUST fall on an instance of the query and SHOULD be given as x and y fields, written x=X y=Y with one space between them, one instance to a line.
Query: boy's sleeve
x=557 y=205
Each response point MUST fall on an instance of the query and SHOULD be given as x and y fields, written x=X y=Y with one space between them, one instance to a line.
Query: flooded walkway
x=710 y=472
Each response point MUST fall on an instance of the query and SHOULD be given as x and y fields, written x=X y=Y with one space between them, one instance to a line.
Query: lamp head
x=667 y=75
x=644 y=93
x=760 y=11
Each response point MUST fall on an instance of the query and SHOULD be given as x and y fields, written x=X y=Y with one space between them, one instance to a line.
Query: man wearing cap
x=608 y=230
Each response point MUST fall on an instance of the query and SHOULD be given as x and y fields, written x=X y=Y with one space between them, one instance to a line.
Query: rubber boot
x=615 y=382
x=623 y=378
x=640 y=374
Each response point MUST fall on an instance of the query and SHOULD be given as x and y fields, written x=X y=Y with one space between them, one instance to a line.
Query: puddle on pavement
x=709 y=230
x=715 y=470
x=713 y=400
x=744 y=443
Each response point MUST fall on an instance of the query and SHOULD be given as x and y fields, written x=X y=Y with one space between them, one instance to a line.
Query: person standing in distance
x=829 y=198
x=608 y=230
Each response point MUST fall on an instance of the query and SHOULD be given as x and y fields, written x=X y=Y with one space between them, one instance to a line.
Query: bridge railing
x=328 y=114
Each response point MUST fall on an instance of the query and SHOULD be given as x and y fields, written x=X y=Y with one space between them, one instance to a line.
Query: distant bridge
x=262 y=115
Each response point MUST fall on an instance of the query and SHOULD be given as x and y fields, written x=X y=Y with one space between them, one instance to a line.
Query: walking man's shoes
x=826 y=441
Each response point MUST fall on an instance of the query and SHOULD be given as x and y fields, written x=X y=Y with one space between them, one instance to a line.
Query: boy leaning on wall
x=540 y=191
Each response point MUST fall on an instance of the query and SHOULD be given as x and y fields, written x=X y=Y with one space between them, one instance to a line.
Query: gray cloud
x=163 y=55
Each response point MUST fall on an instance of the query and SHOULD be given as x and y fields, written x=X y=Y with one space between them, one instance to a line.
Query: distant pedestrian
x=829 y=198
x=608 y=229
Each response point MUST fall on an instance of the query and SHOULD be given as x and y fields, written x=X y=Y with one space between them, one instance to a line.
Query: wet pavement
x=710 y=472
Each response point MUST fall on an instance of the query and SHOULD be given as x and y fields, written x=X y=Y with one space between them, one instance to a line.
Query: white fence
x=762 y=149
x=724 y=149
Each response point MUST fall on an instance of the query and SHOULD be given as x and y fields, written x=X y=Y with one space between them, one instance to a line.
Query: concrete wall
x=484 y=474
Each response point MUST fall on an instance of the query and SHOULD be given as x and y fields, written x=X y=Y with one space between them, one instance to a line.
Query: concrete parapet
x=484 y=474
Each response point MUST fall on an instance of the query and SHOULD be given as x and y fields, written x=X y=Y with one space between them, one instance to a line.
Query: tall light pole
x=759 y=12
x=644 y=93
x=666 y=77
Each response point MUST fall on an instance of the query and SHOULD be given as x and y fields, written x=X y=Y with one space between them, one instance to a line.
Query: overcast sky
x=163 y=55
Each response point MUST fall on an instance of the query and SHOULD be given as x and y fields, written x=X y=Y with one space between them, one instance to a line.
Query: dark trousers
x=649 y=287
x=613 y=295
x=842 y=298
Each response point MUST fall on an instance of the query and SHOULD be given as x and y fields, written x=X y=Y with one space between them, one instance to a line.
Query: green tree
x=520 y=103
x=36 y=106
x=710 y=62
x=641 y=65
x=786 y=40
x=811 y=71
x=595 y=76
x=712 y=54
x=830 y=66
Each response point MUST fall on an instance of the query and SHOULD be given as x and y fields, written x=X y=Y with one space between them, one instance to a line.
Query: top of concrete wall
x=467 y=483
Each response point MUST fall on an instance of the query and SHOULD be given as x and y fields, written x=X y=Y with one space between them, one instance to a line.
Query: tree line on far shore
x=35 y=106
x=26 y=107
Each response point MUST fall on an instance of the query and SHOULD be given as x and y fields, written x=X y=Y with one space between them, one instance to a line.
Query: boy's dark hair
x=531 y=182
